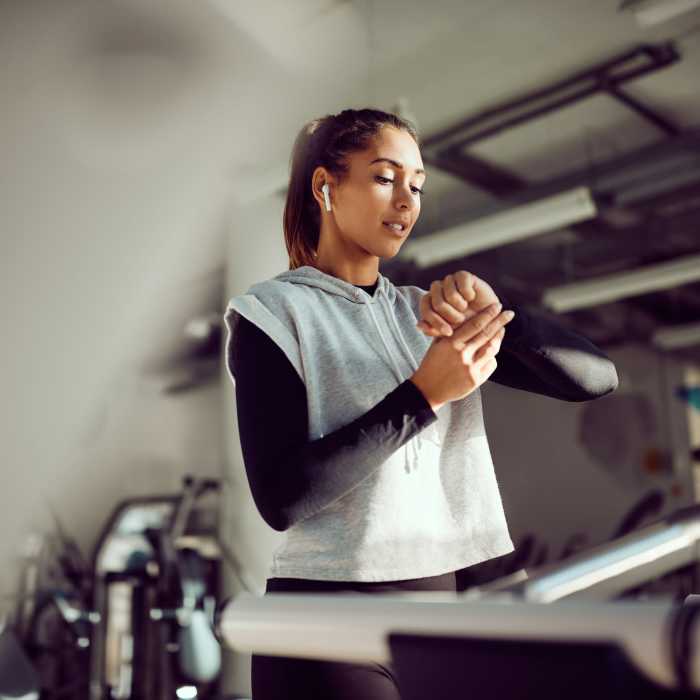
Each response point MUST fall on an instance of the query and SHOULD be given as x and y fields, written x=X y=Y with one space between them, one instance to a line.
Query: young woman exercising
x=359 y=404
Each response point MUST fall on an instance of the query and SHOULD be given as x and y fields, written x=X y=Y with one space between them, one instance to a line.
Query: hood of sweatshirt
x=384 y=294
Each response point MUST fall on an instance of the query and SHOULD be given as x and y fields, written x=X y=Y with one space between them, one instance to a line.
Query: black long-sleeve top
x=536 y=355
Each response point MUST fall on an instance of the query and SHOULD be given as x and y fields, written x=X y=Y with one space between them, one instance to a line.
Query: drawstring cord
x=414 y=365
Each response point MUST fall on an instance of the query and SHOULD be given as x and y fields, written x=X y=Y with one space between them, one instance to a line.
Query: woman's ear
x=321 y=186
x=326 y=197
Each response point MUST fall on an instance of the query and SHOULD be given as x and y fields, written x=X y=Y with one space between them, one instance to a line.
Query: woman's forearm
x=543 y=357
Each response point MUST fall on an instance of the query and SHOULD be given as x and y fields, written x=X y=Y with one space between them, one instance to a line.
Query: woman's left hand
x=452 y=301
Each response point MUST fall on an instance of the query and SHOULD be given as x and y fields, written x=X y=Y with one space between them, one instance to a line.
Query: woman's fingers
x=445 y=314
x=481 y=328
x=489 y=349
x=475 y=325
x=464 y=282
x=446 y=305
x=432 y=321
x=488 y=369
x=429 y=330
x=453 y=295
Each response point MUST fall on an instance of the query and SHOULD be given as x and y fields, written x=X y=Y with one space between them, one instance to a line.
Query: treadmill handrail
x=305 y=625
x=609 y=569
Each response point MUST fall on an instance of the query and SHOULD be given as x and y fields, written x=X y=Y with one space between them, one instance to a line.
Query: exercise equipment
x=155 y=588
x=556 y=632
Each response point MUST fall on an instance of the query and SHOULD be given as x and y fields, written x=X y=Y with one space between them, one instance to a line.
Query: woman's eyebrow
x=396 y=163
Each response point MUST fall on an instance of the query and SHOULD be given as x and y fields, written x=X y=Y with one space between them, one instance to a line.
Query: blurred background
x=144 y=154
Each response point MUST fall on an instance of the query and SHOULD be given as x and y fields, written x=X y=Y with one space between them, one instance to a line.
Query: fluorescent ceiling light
x=651 y=12
x=531 y=219
x=627 y=284
x=677 y=336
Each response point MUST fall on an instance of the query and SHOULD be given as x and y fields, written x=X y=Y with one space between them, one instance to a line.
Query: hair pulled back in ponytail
x=325 y=142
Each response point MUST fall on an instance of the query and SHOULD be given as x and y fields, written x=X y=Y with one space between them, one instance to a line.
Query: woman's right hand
x=454 y=366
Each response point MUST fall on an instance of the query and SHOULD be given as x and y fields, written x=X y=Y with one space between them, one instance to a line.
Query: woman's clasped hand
x=452 y=301
x=454 y=366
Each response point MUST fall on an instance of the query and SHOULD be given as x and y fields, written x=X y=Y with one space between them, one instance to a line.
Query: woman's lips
x=395 y=231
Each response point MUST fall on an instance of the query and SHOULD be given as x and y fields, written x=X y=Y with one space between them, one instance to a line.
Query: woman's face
x=382 y=186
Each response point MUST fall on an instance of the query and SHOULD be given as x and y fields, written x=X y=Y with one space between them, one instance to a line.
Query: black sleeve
x=292 y=478
x=542 y=357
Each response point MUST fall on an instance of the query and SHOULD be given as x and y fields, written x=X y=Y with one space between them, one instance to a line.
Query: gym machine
x=569 y=629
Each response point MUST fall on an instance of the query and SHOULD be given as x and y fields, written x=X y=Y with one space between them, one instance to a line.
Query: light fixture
x=627 y=284
x=677 y=336
x=651 y=12
x=513 y=224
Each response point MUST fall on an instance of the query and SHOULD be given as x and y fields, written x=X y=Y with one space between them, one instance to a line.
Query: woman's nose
x=405 y=199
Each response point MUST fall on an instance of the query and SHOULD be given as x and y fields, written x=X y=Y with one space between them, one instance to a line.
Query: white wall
x=111 y=213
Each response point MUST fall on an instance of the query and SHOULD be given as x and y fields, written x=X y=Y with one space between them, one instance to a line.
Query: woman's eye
x=386 y=180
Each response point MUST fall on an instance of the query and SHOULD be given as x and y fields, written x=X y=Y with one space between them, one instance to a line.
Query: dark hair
x=326 y=142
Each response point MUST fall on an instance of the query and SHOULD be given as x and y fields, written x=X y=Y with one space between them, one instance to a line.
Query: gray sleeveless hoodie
x=434 y=506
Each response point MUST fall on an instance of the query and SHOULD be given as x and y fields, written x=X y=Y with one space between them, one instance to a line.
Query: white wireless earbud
x=324 y=189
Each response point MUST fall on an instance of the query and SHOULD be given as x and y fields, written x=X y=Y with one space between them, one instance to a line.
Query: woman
x=363 y=439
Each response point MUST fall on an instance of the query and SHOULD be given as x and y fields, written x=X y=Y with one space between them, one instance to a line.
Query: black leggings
x=280 y=678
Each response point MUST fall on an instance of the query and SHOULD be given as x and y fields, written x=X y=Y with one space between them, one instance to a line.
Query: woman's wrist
x=434 y=405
